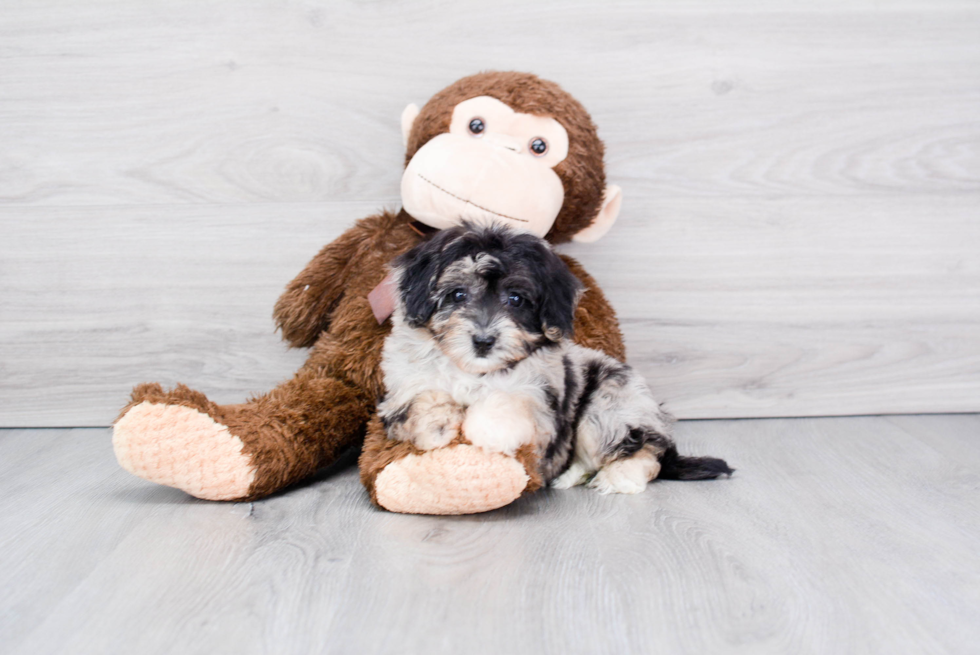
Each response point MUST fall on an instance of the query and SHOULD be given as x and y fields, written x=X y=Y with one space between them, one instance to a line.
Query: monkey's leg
x=457 y=479
x=181 y=439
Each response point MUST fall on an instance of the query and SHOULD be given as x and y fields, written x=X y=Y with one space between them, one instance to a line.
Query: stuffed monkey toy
x=496 y=146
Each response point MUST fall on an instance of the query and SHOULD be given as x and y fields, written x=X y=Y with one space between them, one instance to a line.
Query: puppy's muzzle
x=483 y=344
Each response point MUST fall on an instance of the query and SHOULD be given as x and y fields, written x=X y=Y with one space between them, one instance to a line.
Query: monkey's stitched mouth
x=450 y=193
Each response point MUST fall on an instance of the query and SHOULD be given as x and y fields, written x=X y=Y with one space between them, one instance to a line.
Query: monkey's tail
x=677 y=467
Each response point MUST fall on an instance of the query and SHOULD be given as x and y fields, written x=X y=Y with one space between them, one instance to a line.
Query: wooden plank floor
x=836 y=535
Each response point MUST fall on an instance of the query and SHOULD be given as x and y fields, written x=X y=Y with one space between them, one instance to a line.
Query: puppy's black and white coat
x=479 y=344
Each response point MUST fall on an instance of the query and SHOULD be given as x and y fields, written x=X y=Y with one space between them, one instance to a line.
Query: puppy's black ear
x=560 y=291
x=419 y=270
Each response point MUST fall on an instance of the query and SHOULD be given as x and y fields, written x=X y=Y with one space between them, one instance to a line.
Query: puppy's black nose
x=482 y=344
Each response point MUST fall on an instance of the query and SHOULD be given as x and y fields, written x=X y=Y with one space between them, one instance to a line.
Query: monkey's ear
x=612 y=200
x=409 y=114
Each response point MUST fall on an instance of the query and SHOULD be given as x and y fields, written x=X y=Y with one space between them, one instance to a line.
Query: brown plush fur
x=306 y=422
x=267 y=424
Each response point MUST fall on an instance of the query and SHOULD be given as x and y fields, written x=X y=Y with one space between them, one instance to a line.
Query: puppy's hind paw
x=620 y=478
x=575 y=475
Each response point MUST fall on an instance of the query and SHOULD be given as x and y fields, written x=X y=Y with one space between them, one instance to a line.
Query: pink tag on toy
x=382 y=299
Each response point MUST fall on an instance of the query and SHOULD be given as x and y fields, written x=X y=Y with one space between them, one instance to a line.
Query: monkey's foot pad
x=181 y=447
x=461 y=479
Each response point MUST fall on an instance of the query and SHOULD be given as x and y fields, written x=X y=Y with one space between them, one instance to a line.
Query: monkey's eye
x=477 y=126
x=458 y=296
x=515 y=300
x=538 y=146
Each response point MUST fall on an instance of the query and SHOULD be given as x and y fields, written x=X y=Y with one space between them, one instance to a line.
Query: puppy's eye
x=477 y=126
x=515 y=300
x=458 y=296
x=538 y=146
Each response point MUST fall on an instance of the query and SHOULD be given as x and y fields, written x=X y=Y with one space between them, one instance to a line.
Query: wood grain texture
x=846 y=535
x=793 y=307
x=799 y=233
x=164 y=102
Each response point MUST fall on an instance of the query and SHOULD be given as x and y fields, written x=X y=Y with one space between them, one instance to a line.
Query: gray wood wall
x=800 y=233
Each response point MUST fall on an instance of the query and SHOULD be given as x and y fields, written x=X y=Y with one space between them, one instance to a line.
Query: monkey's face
x=494 y=165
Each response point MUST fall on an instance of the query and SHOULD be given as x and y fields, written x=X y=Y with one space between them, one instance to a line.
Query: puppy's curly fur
x=480 y=345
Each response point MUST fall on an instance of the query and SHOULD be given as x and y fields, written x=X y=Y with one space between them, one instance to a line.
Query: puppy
x=480 y=346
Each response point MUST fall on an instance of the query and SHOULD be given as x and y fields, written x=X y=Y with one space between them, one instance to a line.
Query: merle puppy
x=480 y=345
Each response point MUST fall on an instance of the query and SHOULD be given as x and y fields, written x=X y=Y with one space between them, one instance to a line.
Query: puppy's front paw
x=436 y=431
x=437 y=420
x=433 y=420
x=500 y=423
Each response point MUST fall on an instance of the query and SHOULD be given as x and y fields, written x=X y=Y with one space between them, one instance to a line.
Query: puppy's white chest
x=468 y=389
x=412 y=362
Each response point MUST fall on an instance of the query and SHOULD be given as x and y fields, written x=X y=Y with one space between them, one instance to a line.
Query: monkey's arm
x=304 y=309
x=596 y=325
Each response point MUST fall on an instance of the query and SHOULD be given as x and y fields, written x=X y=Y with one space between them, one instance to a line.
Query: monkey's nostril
x=482 y=344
